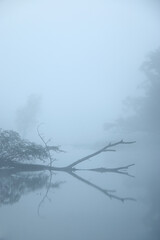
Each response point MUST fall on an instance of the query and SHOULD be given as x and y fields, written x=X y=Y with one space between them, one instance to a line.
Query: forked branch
x=104 y=149
x=49 y=148
x=108 y=193
x=119 y=170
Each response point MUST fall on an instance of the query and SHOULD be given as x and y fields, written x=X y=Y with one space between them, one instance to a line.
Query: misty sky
x=82 y=58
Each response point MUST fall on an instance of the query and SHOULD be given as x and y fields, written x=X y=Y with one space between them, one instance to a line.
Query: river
x=92 y=206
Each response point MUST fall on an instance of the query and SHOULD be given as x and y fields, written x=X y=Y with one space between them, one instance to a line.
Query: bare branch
x=109 y=150
x=55 y=148
x=46 y=147
x=104 y=149
x=120 y=170
x=108 y=193
x=49 y=148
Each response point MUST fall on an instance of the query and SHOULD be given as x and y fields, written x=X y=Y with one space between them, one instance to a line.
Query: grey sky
x=81 y=57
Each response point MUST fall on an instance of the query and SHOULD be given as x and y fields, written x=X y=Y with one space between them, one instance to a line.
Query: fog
x=82 y=58
x=86 y=73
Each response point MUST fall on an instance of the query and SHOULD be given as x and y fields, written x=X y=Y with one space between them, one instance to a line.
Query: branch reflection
x=14 y=184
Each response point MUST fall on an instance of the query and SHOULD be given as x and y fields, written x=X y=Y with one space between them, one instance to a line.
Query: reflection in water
x=152 y=218
x=108 y=193
x=49 y=185
x=14 y=184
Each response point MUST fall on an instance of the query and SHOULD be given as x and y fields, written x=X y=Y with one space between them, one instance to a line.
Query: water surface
x=94 y=205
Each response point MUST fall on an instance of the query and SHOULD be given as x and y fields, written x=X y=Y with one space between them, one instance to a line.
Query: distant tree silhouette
x=145 y=109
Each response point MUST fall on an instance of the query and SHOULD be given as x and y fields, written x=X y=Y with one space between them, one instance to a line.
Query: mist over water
x=87 y=73
x=82 y=58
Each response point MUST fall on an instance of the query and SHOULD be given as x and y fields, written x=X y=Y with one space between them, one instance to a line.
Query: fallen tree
x=17 y=155
x=15 y=151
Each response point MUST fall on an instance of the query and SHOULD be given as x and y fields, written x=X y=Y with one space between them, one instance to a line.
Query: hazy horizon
x=82 y=59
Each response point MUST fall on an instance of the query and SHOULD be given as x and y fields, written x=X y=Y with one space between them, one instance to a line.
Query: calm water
x=60 y=206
